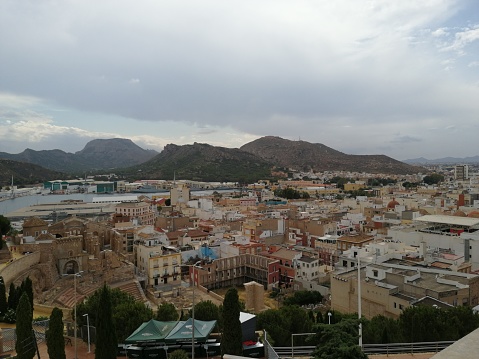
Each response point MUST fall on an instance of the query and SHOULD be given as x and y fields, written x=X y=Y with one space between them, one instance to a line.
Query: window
x=395 y=305
x=375 y=273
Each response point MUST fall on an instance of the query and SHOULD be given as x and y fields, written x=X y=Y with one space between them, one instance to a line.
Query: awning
x=153 y=331
x=183 y=331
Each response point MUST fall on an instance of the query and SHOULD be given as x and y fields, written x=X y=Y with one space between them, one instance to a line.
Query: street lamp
x=292 y=341
x=360 y=329
x=88 y=329
x=329 y=317
x=193 y=312
x=75 y=275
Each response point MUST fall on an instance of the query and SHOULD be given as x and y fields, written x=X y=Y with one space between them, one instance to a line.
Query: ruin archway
x=70 y=267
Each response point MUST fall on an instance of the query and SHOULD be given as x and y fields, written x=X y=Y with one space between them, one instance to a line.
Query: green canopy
x=182 y=331
x=153 y=331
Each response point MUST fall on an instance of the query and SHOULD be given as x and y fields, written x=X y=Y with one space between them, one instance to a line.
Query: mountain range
x=204 y=162
x=24 y=173
x=302 y=155
x=98 y=154
x=445 y=160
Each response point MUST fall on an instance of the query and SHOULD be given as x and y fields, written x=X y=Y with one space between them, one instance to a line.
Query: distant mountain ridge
x=257 y=159
x=302 y=155
x=203 y=162
x=445 y=160
x=24 y=173
x=96 y=155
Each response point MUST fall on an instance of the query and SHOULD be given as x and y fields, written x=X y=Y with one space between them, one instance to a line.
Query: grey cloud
x=273 y=67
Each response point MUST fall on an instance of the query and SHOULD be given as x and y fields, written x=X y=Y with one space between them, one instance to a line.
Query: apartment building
x=139 y=211
x=160 y=263
x=440 y=234
x=225 y=272
x=388 y=289
x=353 y=240
x=176 y=222
x=286 y=264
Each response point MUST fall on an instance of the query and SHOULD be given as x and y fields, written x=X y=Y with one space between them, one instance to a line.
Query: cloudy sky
x=399 y=78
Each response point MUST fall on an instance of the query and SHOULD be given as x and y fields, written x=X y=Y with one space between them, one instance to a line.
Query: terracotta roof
x=34 y=222
x=473 y=214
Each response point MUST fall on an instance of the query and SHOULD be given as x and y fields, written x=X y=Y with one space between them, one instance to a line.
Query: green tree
x=127 y=317
x=433 y=178
x=167 y=312
x=54 y=335
x=27 y=287
x=272 y=321
x=25 y=344
x=206 y=310
x=281 y=323
x=304 y=297
x=382 y=330
x=5 y=227
x=14 y=294
x=3 y=298
x=123 y=306
x=106 y=339
x=337 y=341
x=178 y=354
x=424 y=323
x=298 y=321
x=232 y=336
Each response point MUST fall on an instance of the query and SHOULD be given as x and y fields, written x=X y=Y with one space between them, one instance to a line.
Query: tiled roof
x=34 y=222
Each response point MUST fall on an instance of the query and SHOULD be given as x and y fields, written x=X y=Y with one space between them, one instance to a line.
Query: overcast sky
x=396 y=77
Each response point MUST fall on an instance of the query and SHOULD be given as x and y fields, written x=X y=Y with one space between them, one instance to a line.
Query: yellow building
x=160 y=263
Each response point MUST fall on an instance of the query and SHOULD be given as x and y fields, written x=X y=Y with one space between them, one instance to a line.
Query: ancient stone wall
x=18 y=266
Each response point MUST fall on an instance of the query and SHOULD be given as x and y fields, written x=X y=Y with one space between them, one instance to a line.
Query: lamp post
x=329 y=317
x=292 y=341
x=88 y=329
x=193 y=312
x=359 y=304
x=75 y=275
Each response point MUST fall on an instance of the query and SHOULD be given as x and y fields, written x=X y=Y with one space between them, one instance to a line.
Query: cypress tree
x=25 y=345
x=13 y=296
x=106 y=340
x=54 y=334
x=231 y=342
x=3 y=297
x=27 y=287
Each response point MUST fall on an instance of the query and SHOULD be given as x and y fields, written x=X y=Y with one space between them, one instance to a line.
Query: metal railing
x=269 y=351
x=397 y=348
x=391 y=348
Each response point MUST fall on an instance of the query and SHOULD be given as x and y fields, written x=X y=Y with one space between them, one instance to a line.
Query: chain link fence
x=10 y=337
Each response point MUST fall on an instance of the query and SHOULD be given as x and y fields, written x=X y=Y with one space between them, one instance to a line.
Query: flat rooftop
x=450 y=220
x=70 y=208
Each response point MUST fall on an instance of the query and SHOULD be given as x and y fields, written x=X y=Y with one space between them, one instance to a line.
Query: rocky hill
x=113 y=153
x=202 y=162
x=96 y=155
x=24 y=173
x=302 y=155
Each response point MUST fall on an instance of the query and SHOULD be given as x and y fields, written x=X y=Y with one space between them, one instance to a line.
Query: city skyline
x=397 y=78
